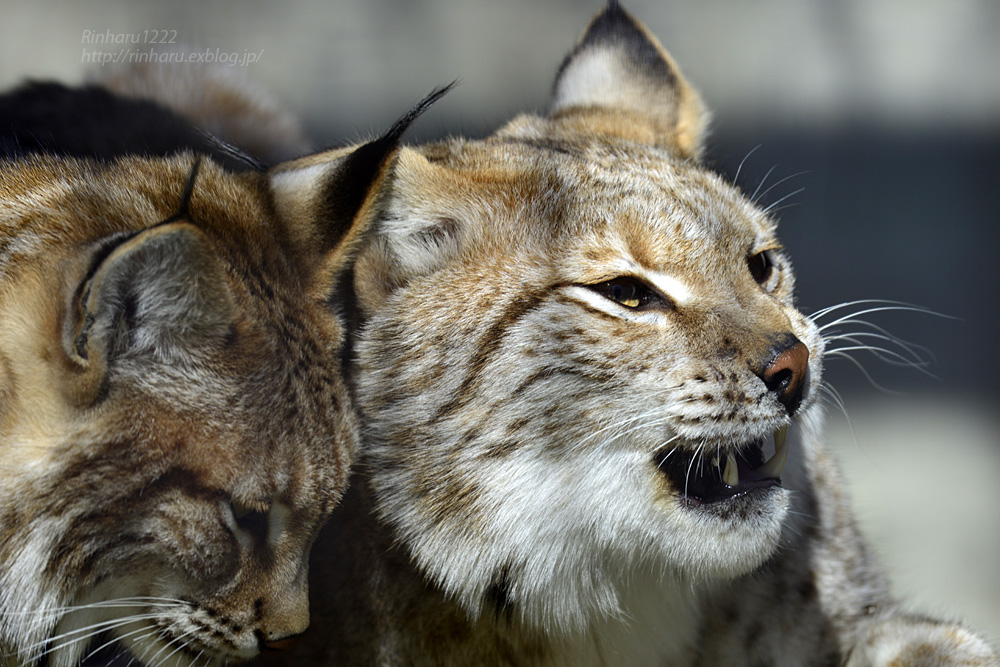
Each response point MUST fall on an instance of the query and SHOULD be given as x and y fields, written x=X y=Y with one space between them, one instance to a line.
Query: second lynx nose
x=786 y=373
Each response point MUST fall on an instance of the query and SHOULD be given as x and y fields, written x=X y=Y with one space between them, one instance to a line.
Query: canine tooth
x=731 y=476
x=779 y=437
x=774 y=465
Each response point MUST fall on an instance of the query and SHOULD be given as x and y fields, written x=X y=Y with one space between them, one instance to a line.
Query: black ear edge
x=351 y=184
x=80 y=320
x=365 y=166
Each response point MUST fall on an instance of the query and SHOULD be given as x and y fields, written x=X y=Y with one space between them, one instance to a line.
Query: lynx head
x=576 y=347
x=172 y=428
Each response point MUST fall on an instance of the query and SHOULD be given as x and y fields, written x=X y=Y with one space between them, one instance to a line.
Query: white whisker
x=645 y=425
x=144 y=629
x=668 y=454
x=61 y=641
x=890 y=357
x=180 y=645
x=864 y=371
x=90 y=631
x=143 y=638
x=650 y=419
x=197 y=658
x=917 y=351
x=783 y=180
x=885 y=335
x=613 y=426
x=687 y=476
x=141 y=641
x=117 y=603
x=822 y=312
x=736 y=178
x=753 y=197
x=887 y=347
x=718 y=455
x=154 y=660
x=770 y=208
x=834 y=395
x=891 y=306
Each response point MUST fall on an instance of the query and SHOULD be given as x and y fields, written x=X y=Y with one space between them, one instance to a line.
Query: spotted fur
x=173 y=426
x=561 y=329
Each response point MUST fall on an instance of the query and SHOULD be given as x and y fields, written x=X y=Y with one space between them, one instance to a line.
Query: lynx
x=589 y=406
x=174 y=429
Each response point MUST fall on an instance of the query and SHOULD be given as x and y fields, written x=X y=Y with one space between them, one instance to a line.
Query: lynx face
x=578 y=349
x=172 y=429
x=594 y=379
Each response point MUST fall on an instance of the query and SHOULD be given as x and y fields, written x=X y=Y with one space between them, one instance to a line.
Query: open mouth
x=705 y=478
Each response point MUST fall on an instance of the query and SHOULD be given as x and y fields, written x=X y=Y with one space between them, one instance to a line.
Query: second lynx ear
x=330 y=200
x=620 y=81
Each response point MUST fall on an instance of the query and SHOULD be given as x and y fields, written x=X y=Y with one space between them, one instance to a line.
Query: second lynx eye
x=250 y=519
x=761 y=267
x=628 y=292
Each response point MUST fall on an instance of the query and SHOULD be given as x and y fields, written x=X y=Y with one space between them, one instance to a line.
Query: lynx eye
x=628 y=292
x=250 y=518
x=761 y=267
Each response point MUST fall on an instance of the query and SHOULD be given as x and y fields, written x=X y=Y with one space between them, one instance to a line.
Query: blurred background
x=872 y=127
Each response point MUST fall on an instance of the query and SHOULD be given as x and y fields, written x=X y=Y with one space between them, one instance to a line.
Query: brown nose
x=786 y=374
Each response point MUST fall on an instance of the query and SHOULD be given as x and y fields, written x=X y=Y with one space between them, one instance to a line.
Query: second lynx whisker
x=889 y=348
x=61 y=641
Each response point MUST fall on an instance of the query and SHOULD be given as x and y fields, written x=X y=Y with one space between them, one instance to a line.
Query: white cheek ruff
x=570 y=534
x=29 y=606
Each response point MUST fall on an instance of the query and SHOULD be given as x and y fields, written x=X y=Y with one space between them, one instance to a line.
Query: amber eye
x=629 y=292
x=761 y=267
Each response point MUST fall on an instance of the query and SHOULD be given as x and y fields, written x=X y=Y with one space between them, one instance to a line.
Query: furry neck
x=361 y=568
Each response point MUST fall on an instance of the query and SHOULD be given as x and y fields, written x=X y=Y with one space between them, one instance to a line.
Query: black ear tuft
x=348 y=189
x=395 y=132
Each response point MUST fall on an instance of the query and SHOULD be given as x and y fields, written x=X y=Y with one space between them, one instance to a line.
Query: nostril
x=780 y=381
x=785 y=375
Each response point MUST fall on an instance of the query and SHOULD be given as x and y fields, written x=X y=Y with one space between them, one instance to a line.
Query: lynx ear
x=328 y=201
x=620 y=81
x=160 y=294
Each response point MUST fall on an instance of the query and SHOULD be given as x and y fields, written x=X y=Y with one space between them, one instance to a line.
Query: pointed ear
x=422 y=223
x=620 y=81
x=160 y=294
x=327 y=201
